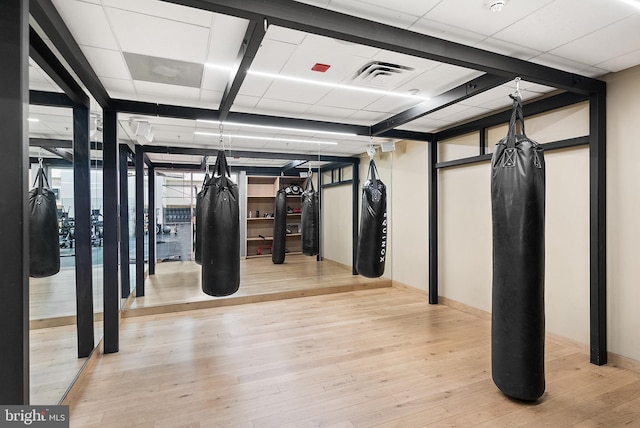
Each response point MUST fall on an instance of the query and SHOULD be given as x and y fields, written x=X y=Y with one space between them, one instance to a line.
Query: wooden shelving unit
x=261 y=194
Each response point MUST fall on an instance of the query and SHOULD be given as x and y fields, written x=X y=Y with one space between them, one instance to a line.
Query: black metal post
x=125 y=283
x=433 y=222
x=598 y=226
x=355 y=192
x=110 y=236
x=152 y=221
x=139 y=222
x=14 y=229
x=82 y=216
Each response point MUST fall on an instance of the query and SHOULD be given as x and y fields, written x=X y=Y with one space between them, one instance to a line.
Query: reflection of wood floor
x=381 y=357
x=176 y=283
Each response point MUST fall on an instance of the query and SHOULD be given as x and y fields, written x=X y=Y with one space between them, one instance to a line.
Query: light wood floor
x=374 y=358
x=177 y=285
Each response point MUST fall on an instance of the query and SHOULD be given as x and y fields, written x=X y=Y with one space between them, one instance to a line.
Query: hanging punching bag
x=220 y=232
x=372 y=240
x=518 y=211
x=310 y=220
x=44 y=244
x=198 y=235
x=279 y=228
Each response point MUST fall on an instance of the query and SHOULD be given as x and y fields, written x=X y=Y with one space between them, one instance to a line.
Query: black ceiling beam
x=317 y=20
x=50 y=99
x=293 y=164
x=536 y=107
x=250 y=45
x=457 y=94
x=60 y=152
x=196 y=151
x=46 y=143
x=48 y=18
x=47 y=60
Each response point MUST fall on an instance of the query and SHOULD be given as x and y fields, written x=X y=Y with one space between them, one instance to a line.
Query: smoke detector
x=495 y=5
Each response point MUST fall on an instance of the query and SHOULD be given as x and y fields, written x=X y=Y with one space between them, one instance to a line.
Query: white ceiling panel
x=366 y=118
x=245 y=103
x=622 y=62
x=475 y=16
x=106 y=62
x=273 y=55
x=215 y=79
x=561 y=22
x=568 y=65
x=211 y=98
x=114 y=86
x=164 y=91
x=447 y=32
x=226 y=35
x=388 y=13
x=296 y=92
x=410 y=7
x=331 y=114
x=440 y=79
x=163 y=10
x=424 y=124
x=597 y=47
x=285 y=35
x=159 y=37
x=348 y=99
x=507 y=48
x=88 y=23
x=279 y=107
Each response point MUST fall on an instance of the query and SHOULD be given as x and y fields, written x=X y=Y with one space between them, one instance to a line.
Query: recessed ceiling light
x=275 y=139
x=335 y=85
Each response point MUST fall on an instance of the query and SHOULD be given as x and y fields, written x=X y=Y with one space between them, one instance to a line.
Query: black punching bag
x=44 y=243
x=279 y=228
x=310 y=220
x=220 y=233
x=517 y=318
x=372 y=240
x=198 y=235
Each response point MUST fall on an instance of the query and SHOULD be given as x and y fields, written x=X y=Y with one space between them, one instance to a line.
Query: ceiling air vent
x=382 y=74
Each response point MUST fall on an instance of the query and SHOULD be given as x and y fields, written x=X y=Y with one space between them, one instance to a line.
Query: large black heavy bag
x=220 y=232
x=518 y=209
x=198 y=235
x=44 y=243
x=372 y=240
x=279 y=228
x=310 y=220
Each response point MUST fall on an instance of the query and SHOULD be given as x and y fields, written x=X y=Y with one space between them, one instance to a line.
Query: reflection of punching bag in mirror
x=372 y=239
x=220 y=232
x=44 y=235
x=198 y=234
x=518 y=211
x=279 y=228
x=310 y=220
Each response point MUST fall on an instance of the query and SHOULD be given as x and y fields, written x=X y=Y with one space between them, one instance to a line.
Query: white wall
x=623 y=212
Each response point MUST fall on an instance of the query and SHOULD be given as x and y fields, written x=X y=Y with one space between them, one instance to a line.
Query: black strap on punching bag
x=310 y=220
x=220 y=232
x=372 y=240
x=44 y=241
x=279 y=228
x=518 y=211
x=198 y=235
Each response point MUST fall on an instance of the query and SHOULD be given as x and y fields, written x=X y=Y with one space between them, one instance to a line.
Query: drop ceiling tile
x=231 y=30
x=164 y=93
x=106 y=62
x=211 y=98
x=475 y=16
x=215 y=79
x=245 y=103
x=348 y=99
x=286 y=35
x=411 y=7
x=447 y=32
x=296 y=92
x=87 y=22
x=597 y=47
x=507 y=48
x=440 y=79
x=280 y=108
x=392 y=105
x=560 y=22
x=164 y=10
x=561 y=63
x=622 y=62
x=272 y=56
x=424 y=124
x=388 y=15
x=366 y=118
x=158 y=37
x=331 y=114
x=120 y=86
